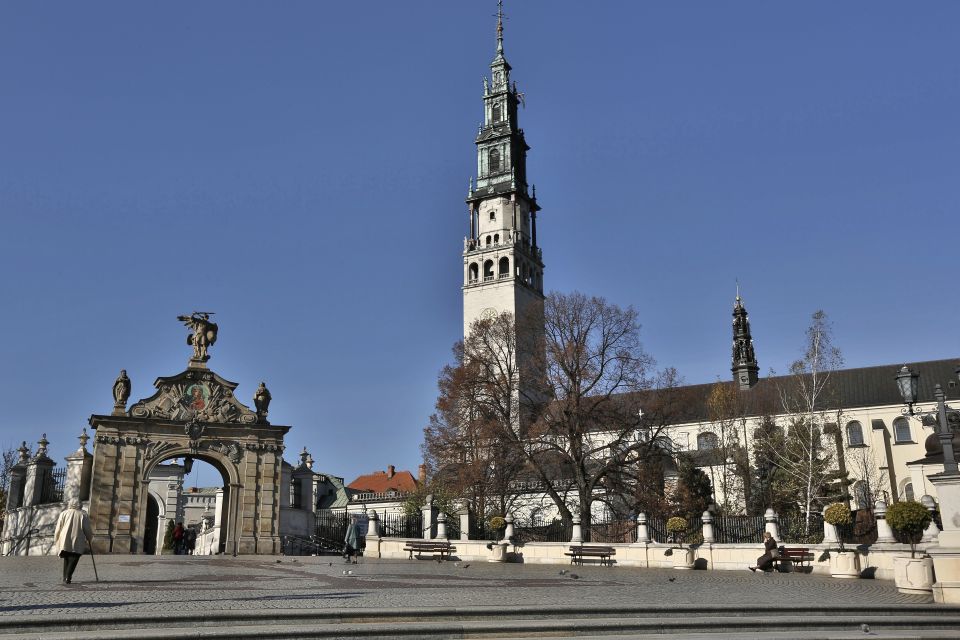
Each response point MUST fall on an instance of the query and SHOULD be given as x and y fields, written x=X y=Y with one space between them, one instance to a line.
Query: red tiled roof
x=379 y=482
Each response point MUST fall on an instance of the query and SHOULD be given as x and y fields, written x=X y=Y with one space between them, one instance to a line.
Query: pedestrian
x=178 y=539
x=191 y=540
x=771 y=552
x=72 y=537
x=351 y=541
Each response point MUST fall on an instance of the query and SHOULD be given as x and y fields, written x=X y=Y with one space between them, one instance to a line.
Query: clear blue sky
x=300 y=169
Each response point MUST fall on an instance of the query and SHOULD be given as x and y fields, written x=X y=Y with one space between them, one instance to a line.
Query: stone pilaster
x=79 y=470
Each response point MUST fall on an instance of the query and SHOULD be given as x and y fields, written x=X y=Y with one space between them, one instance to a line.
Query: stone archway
x=193 y=414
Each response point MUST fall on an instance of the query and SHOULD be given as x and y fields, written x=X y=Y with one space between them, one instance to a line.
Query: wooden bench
x=580 y=551
x=798 y=556
x=434 y=548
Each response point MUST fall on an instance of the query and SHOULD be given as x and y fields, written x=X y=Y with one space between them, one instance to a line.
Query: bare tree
x=729 y=468
x=802 y=455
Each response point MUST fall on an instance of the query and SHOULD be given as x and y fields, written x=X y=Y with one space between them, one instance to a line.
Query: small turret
x=745 y=368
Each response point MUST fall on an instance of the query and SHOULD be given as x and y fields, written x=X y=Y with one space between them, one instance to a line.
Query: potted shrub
x=498 y=547
x=911 y=574
x=844 y=563
x=682 y=556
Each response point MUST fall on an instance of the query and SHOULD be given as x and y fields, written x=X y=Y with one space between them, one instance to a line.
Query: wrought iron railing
x=541 y=531
x=738 y=529
x=793 y=529
x=402 y=525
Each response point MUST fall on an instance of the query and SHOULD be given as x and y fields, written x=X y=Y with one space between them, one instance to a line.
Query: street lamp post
x=908 y=382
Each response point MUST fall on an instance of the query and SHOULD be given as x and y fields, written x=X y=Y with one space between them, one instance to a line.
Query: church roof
x=848 y=389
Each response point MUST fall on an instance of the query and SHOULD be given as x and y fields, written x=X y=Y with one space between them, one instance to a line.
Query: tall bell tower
x=502 y=264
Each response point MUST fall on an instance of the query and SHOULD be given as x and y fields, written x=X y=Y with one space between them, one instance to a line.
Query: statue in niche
x=121 y=390
x=204 y=333
x=261 y=399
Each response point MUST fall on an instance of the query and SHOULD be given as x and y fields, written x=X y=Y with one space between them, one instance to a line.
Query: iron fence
x=453 y=527
x=402 y=525
x=738 y=529
x=611 y=531
x=693 y=534
x=330 y=528
x=542 y=531
x=480 y=529
x=861 y=530
x=53 y=485
x=793 y=529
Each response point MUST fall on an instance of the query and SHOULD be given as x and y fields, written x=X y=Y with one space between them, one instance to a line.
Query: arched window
x=906 y=493
x=854 y=434
x=493 y=215
x=504 y=267
x=901 y=430
x=488 y=270
x=488 y=241
x=496 y=238
x=474 y=271
x=493 y=161
x=497 y=112
x=706 y=441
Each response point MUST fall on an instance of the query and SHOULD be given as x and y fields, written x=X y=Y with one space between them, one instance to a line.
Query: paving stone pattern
x=177 y=583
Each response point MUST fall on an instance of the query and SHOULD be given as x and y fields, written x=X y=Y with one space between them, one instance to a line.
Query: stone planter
x=913 y=575
x=844 y=564
x=498 y=552
x=683 y=558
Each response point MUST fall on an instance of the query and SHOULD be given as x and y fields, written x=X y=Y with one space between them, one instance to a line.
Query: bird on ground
x=671 y=579
x=574 y=576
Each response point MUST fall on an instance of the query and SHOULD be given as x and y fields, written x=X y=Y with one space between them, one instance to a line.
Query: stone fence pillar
x=39 y=479
x=79 y=468
x=577 y=531
x=707 y=519
x=643 y=531
x=932 y=531
x=429 y=516
x=441 y=526
x=830 y=536
x=772 y=525
x=18 y=479
x=884 y=532
x=373 y=525
x=464 y=515
x=508 y=532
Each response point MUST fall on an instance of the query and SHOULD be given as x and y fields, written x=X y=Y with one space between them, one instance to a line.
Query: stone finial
x=42 y=449
x=303 y=457
x=24 y=452
x=261 y=400
x=83 y=438
x=309 y=461
x=121 y=393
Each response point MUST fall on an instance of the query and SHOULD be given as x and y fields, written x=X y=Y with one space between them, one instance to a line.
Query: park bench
x=434 y=548
x=578 y=552
x=798 y=556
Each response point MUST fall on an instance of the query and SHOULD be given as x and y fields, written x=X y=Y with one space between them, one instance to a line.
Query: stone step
x=814 y=624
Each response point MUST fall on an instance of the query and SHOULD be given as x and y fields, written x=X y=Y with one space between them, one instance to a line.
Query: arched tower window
x=503 y=269
x=497 y=112
x=488 y=270
x=496 y=238
x=493 y=160
x=474 y=271
x=488 y=241
x=706 y=441
x=854 y=434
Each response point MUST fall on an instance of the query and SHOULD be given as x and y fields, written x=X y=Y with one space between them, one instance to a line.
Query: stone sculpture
x=261 y=400
x=121 y=391
x=204 y=334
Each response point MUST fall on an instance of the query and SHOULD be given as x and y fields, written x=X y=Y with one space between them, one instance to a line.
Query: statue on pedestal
x=261 y=399
x=204 y=334
x=121 y=392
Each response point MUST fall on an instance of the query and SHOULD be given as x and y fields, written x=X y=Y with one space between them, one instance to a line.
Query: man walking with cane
x=72 y=537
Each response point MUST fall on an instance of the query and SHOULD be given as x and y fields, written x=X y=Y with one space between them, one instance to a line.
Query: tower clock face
x=488 y=314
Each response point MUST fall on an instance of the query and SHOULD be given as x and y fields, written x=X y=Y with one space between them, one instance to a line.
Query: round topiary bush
x=837 y=514
x=676 y=527
x=910 y=519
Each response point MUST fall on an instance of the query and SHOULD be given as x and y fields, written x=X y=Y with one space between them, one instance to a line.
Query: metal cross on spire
x=499 y=26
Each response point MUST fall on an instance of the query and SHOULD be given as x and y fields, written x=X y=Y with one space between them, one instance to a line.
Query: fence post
x=830 y=535
x=426 y=527
x=577 y=531
x=79 y=469
x=441 y=526
x=643 y=532
x=373 y=526
x=39 y=476
x=884 y=532
x=508 y=532
x=772 y=525
x=707 y=519
x=18 y=479
x=930 y=535
x=464 y=515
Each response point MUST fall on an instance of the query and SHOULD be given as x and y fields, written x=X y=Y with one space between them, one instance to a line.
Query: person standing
x=72 y=537
x=765 y=562
x=178 y=539
x=351 y=541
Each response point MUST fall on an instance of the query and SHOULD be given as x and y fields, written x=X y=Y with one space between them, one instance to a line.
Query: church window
x=497 y=112
x=493 y=215
x=493 y=158
x=906 y=493
x=854 y=434
x=488 y=241
x=488 y=270
x=706 y=441
x=474 y=271
x=504 y=268
x=496 y=238
x=901 y=430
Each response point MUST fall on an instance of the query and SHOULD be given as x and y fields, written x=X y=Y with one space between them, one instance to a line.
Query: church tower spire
x=502 y=264
x=745 y=366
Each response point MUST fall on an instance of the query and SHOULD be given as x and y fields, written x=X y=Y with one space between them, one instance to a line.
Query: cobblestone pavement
x=184 y=583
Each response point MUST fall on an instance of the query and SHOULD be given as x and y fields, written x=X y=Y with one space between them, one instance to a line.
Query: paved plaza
x=185 y=583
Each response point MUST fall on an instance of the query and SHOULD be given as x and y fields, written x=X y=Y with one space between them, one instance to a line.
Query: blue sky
x=300 y=168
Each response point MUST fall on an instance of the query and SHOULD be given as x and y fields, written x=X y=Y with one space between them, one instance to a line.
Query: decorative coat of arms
x=195 y=396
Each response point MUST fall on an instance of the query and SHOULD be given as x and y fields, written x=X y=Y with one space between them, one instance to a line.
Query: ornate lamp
x=909 y=383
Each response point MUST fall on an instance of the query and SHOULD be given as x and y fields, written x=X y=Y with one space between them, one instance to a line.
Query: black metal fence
x=861 y=530
x=330 y=528
x=53 y=485
x=402 y=525
x=693 y=534
x=793 y=529
x=611 y=531
x=738 y=529
x=453 y=526
x=538 y=530
x=480 y=529
x=298 y=546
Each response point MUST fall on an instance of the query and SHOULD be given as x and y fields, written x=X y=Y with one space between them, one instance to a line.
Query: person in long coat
x=351 y=541
x=72 y=537
x=765 y=562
